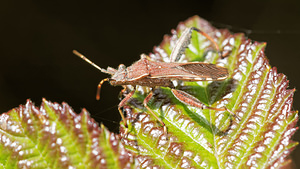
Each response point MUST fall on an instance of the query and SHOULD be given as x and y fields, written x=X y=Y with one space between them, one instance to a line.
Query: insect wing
x=196 y=71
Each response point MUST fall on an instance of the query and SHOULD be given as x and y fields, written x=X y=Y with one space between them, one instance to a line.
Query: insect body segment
x=146 y=72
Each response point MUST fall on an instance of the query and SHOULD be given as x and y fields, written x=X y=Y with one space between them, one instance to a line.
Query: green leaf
x=53 y=136
x=197 y=138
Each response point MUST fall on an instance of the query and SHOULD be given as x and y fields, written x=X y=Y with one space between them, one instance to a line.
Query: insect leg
x=209 y=38
x=122 y=91
x=146 y=100
x=185 y=40
x=193 y=101
x=222 y=109
x=122 y=103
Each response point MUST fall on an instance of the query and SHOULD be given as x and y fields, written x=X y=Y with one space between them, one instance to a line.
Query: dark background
x=37 y=39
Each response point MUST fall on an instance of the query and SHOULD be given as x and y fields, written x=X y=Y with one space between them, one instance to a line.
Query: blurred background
x=38 y=36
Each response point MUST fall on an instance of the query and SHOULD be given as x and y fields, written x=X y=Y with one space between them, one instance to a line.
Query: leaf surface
x=53 y=136
x=197 y=138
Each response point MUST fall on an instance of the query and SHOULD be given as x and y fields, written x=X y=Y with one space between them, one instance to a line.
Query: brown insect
x=146 y=72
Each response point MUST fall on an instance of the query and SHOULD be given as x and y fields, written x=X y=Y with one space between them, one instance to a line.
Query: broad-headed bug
x=146 y=72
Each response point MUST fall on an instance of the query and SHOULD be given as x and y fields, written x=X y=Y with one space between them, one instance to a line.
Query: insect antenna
x=99 y=87
x=90 y=62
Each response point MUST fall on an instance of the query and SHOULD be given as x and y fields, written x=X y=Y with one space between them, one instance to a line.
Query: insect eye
x=122 y=67
x=143 y=56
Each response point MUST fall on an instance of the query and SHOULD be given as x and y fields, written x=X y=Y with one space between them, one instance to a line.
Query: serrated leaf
x=197 y=138
x=53 y=136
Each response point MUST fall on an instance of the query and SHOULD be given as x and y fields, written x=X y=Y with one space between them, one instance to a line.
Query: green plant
x=55 y=137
